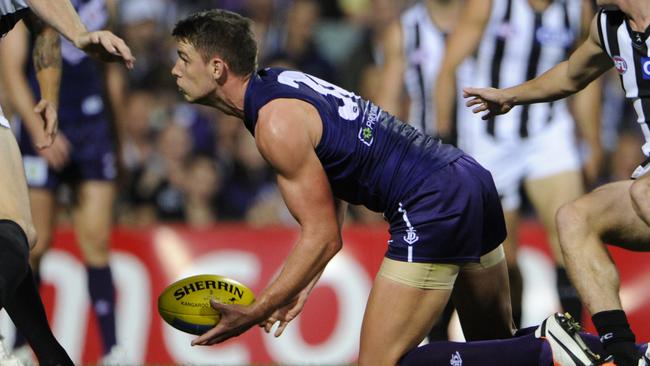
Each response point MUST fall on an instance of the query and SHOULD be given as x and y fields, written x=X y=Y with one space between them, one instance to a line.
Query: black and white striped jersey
x=629 y=50
x=11 y=11
x=424 y=49
x=520 y=44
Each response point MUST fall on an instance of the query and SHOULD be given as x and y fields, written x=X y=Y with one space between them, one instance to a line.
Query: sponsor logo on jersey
x=620 y=64
x=456 y=360
x=553 y=36
x=645 y=67
x=367 y=129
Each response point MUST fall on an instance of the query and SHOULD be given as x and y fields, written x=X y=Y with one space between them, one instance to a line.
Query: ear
x=217 y=68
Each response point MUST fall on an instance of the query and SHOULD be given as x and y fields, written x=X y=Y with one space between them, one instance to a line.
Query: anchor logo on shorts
x=411 y=234
x=456 y=360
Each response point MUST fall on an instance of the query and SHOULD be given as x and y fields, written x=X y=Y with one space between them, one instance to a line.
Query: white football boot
x=563 y=335
x=6 y=359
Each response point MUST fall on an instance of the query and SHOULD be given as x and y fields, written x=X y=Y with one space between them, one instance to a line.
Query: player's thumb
x=40 y=107
x=217 y=305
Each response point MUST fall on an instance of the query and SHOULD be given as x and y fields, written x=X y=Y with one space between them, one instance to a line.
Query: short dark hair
x=223 y=33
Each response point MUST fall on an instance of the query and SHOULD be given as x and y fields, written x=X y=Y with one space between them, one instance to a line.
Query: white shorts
x=3 y=120
x=550 y=151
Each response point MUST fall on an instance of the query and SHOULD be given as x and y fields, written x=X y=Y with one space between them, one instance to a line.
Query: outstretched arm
x=285 y=142
x=61 y=15
x=40 y=123
x=585 y=64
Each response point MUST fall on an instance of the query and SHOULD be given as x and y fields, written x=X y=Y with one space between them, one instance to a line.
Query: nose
x=175 y=71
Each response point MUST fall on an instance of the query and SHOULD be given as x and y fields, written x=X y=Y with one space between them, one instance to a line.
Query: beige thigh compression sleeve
x=440 y=276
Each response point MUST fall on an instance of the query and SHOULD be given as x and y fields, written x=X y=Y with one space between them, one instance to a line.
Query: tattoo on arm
x=47 y=44
x=47 y=50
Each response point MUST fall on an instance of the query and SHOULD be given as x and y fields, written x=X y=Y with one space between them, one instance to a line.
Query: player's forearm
x=61 y=15
x=47 y=64
x=552 y=85
x=20 y=95
x=302 y=268
x=587 y=110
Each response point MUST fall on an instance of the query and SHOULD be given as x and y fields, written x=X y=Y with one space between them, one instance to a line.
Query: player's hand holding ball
x=207 y=303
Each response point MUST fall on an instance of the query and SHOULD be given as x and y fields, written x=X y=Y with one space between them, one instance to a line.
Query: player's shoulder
x=612 y=17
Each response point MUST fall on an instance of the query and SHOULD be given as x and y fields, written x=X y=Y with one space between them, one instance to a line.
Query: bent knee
x=640 y=193
x=570 y=216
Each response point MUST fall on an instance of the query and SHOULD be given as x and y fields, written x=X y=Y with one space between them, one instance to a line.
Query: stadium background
x=196 y=197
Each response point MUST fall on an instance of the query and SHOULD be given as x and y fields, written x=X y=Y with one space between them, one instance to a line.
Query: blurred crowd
x=187 y=163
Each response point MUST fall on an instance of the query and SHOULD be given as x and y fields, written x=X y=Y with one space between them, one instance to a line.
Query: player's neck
x=638 y=12
x=539 y=5
x=229 y=98
x=443 y=13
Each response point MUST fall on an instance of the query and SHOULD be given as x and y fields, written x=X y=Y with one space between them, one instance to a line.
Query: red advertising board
x=145 y=261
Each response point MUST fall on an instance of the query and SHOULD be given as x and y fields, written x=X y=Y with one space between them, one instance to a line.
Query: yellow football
x=185 y=304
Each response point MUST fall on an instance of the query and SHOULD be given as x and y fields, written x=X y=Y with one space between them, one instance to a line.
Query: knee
x=95 y=250
x=570 y=219
x=640 y=194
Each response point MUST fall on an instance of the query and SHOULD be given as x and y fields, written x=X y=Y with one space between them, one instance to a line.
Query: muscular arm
x=391 y=72
x=46 y=57
x=585 y=64
x=284 y=135
x=61 y=15
x=461 y=43
x=14 y=51
x=284 y=141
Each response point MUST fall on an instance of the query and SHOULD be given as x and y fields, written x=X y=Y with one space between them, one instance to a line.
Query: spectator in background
x=156 y=189
x=137 y=140
x=295 y=41
x=201 y=185
x=199 y=122
x=246 y=180
x=361 y=68
x=266 y=14
x=141 y=24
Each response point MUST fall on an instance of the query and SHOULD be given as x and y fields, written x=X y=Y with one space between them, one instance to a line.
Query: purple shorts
x=92 y=155
x=454 y=216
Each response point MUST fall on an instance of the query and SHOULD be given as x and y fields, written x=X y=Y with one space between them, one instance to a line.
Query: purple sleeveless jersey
x=442 y=206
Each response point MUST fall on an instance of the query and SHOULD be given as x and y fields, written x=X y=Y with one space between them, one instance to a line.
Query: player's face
x=193 y=76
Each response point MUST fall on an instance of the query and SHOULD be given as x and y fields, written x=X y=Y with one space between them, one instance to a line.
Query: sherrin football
x=185 y=304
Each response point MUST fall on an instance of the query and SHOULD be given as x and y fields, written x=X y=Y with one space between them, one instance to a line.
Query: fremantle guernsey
x=370 y=157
